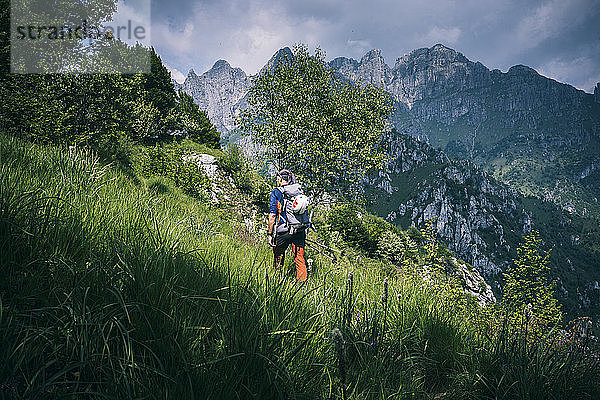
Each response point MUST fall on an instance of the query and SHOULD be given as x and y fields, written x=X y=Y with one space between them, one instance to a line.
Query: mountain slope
x=483 y=220
x=115 y=287
x=538 y=135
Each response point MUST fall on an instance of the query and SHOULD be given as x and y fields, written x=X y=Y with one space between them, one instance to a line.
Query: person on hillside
x=288 y=222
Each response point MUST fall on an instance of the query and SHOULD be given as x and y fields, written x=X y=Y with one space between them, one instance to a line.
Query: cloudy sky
x=558 y=38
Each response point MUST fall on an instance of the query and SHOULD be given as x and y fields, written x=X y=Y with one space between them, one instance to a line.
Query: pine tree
x=194 y=122
x=528 y=290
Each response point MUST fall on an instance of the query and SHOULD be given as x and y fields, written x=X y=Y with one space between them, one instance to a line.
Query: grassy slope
x=115 y=289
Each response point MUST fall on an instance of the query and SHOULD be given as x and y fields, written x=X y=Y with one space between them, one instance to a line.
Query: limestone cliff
x=218 y=91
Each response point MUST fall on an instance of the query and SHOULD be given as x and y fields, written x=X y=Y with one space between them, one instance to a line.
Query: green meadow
x=117 y=285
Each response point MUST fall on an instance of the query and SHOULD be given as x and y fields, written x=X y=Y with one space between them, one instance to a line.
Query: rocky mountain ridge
x=525 y=129
x=217 y=91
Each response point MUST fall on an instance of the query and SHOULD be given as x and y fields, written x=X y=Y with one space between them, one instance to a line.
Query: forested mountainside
x=483 y=219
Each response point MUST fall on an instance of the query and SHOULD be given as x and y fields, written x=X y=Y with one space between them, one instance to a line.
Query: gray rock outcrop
x=472 y=282
x=469 y=209
x=218 y=91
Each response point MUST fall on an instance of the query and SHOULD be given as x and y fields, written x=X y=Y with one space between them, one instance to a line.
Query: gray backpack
x=295 y=222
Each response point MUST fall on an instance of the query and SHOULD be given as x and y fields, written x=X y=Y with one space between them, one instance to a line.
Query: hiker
x=288 y=222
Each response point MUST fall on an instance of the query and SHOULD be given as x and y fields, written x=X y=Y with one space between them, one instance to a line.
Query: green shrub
x=415 y=234
x=357 y=227
x=234 y=164
x=396 y=247
x=529 y=291
x=243 y=180
x=169 y=161
x=188 y=117
x=261 y=193
x=114 y=146
x=232 y=160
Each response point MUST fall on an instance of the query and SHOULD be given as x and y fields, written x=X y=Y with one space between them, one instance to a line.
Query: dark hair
x=287 y=176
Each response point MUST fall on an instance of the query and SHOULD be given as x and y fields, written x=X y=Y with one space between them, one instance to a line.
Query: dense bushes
x=371 y=234
x=357 y=227
x=108 y=112
x=175 y=163
x=233 y=163
x=396 y=247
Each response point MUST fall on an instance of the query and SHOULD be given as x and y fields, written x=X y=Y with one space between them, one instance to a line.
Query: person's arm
x=271 y=224
x=273 y=216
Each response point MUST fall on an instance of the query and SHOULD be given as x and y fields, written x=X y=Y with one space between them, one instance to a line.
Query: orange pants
x=298 y=251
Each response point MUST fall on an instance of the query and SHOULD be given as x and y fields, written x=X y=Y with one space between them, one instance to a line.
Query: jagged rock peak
x=340 y=62
x=191 y=74
x=372 y=69
x=286 y=51
x=281 y=54
x=441 y=47
x=444 y=50
x=374 y=54
x=522 y=70
x=221 y=64
x=597 y=93
x=435 y=55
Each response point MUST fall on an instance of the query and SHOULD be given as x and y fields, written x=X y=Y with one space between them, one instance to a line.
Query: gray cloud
x=548 y=35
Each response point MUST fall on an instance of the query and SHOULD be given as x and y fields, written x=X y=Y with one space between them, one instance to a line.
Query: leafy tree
x=103 y=110
x=327 y=130
x=158 y=86
x=50 y=56
x=528 y=290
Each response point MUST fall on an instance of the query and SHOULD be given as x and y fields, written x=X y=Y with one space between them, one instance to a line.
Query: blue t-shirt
x=277 y=198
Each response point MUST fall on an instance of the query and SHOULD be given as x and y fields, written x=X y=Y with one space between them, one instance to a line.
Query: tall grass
x=112 y=289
